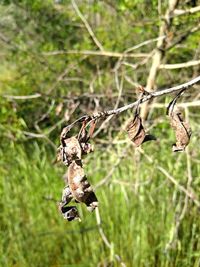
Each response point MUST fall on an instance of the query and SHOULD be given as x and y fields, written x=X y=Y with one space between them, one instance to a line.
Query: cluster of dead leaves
x=73 y=148
x=77 y=186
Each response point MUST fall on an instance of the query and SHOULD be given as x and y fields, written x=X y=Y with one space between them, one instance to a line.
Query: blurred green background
x=48 y=56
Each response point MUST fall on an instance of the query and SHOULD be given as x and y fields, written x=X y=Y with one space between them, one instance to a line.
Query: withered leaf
x=70 y=150
x=80 y=187
x=65 y=133
x=136 y=132
x=87 y=148
x=84 y=135
x=182 y=131
x=66 y=195
x=70 y=213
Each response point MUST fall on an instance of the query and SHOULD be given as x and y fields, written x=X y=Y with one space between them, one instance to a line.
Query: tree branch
x=117 y=111
x=96 y=53
x=180 y=65
x=180 y=12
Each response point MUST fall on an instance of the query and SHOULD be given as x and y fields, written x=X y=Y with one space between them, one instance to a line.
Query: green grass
x=138 y=221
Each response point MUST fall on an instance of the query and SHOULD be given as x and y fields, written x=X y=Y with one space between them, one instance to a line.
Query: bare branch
x=180 y=12
x=180 y=65
x=144 y=43
x=89 y=29
x=187 y=192
x=22 y=97
x=158 y=93
x=96 y=53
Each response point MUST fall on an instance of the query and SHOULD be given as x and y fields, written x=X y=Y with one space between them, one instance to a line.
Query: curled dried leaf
x=65 y=133
x=84 y=136
x=80 y=187
x=87 y=148
x=70 y=150
x=70 y=213
x=66 y=195
x=136 y=132
x=182 y=131
x=181 y=128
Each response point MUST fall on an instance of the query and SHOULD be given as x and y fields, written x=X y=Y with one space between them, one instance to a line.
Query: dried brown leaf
x=87 y=148
x=136 y=132
x=70 y=150
x=80 y=187
x=182 y=131
x=70 y=213
x=66 y=195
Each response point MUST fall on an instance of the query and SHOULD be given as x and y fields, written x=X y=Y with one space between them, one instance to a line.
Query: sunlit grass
x=138 y=209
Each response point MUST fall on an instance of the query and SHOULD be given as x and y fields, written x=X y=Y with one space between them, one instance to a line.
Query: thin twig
x=87 y=26
x=143 y=62
x=180 y=12
x=43 y=136
x=96 y=53
x=180 y=65
x=22 y=97
x=188 y=193
x=105 y=239
x=106 y=179
x=101 y=232
x=144 y=43
x=119 y=86
x=183 y=36
x=181 y=105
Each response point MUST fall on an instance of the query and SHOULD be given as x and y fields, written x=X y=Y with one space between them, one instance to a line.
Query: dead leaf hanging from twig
x=135 y=128
x=182 y=131
x=69 y=150
x=181 y=128
x=80 y=187
x=136 y=131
